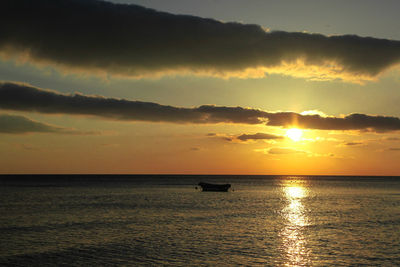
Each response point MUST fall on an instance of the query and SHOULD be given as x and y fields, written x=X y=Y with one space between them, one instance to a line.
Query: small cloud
x=394 y=149
x=225 y=137
x=280 y=151
x=194 y=148
x=326 y=155
x=243 y=138
x=291 y=151
x=385 y=139
x=354 y=144
x=392 y=139
x=284 y=150
x=16 y=124
x=258 y=136
x=28 y=147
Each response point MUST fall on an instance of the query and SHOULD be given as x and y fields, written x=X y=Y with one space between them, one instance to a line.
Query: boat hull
x=207 y=187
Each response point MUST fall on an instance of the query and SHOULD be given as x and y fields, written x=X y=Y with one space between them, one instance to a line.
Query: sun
x=294 y=134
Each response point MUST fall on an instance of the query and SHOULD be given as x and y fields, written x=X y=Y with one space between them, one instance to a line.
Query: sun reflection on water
x=294 y=241
x=294 y=191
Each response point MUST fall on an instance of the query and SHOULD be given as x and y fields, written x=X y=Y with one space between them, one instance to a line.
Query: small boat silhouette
x=214 y=187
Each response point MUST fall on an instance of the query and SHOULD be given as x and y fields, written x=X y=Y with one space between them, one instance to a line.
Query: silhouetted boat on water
x=215 y=187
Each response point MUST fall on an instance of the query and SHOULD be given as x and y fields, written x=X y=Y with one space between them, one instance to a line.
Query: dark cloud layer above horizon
x=14 y=96
x=135 y=41
x=21 y=97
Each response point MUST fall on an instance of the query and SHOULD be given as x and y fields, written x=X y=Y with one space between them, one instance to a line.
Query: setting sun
x=294 y=134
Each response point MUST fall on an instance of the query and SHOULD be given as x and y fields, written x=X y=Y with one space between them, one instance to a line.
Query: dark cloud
x=132 y=40
x=394 y=149
x=16 y=124
x=259 y=136
x=20 y=97
x=27 y=98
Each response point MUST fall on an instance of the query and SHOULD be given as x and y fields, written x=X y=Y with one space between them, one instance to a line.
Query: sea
x=166 y=220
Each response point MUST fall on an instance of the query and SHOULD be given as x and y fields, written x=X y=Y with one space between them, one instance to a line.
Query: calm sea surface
x=164 y=220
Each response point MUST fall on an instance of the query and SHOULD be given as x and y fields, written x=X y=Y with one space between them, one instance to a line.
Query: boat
x=215 y=187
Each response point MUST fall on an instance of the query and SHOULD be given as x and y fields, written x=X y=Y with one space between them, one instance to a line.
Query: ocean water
x=164 y=220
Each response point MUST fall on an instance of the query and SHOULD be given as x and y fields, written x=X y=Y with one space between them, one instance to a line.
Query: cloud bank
x=27 y=98
x=96 y=36
x=21 y=97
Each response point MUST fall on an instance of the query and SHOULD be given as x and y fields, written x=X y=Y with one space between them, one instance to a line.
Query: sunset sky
x=200 y=87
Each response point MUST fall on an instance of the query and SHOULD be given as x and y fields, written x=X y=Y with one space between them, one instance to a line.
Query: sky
x=200 y=87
